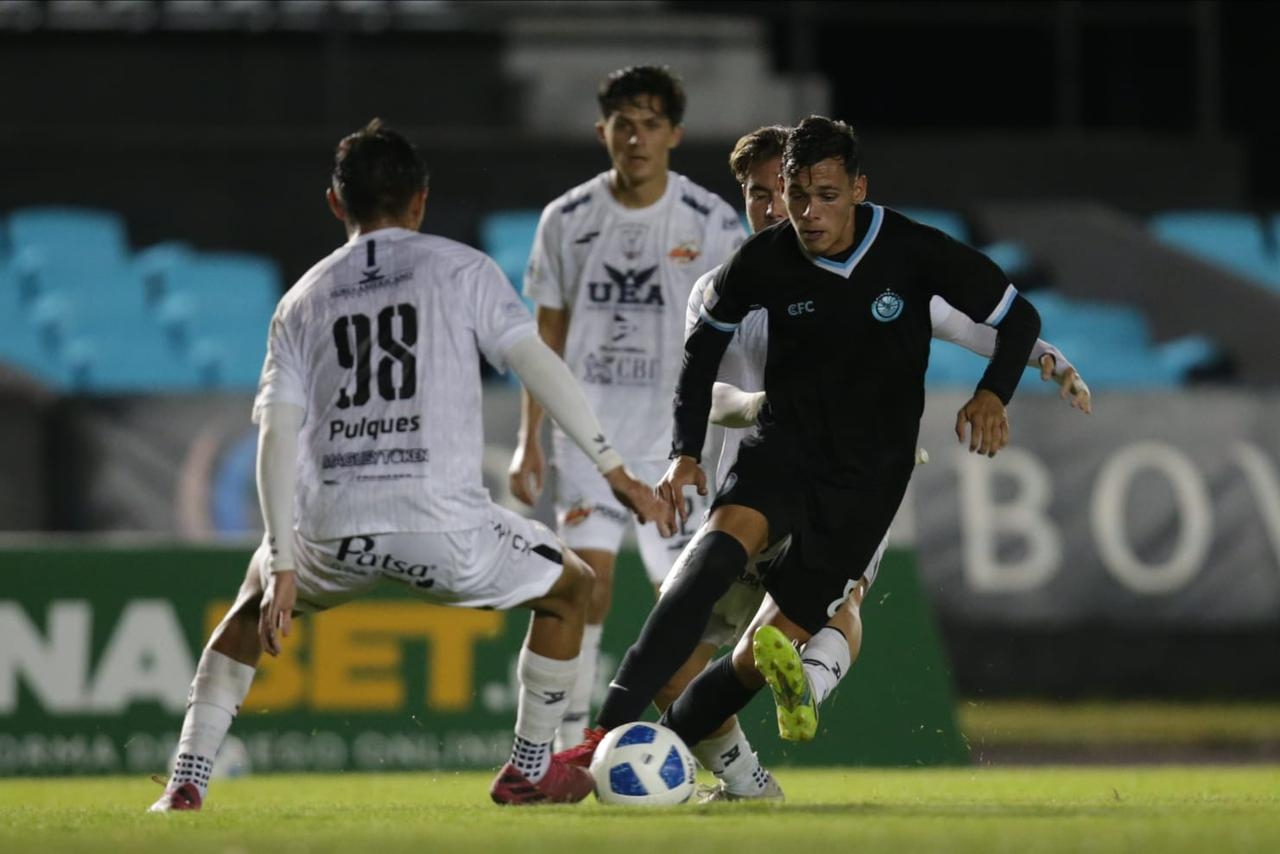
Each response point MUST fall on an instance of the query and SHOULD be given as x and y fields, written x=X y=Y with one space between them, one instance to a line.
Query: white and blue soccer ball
x=643 y=764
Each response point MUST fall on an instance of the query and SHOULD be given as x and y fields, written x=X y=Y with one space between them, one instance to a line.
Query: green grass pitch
x=1159 y=809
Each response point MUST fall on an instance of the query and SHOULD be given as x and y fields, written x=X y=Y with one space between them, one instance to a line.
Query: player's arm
x=548 y=380
x=733 y=407
x=544 y=283
x=277 y=471
x=1016 y=333
x=725 y=302
x=528 y=465
x=971 y=282
x=279 y=410
x=958 y=328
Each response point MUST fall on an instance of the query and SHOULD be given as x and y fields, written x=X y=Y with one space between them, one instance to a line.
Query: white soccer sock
x=826 y=661
x=217 y=691
x=575 y=720
x=731 y=759
x=544 y=696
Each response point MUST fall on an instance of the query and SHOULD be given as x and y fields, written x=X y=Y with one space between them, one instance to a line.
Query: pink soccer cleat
x=562 y=784
x=184 y=797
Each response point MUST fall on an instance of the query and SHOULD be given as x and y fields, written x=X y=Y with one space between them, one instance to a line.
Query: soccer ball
x=643 y=764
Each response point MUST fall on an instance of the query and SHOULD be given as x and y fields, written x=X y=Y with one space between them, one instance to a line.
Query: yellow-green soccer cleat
x=780 y=664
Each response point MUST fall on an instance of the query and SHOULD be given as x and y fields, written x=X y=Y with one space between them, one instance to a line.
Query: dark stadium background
x=219 y=132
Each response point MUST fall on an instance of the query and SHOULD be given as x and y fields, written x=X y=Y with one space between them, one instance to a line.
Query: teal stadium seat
x=136 y=360
x=1011 y=257
x=1230 y=239
x=20 y=342
x=229 y=360
x=218 y=295
x=948 y=222
x=1185 y=354
x=68 y=240
x=507 y=237
x=156 y=264
x=70 y=236
x=1091 y=321
x=74 y=303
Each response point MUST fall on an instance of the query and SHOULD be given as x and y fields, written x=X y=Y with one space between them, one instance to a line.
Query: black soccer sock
x=673 y=628
x=712 y=698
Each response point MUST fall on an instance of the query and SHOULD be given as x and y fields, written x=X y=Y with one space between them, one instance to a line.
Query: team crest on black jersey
x=886 y=307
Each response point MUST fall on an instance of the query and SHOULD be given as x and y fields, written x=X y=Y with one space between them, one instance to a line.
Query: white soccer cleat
x=719 y=793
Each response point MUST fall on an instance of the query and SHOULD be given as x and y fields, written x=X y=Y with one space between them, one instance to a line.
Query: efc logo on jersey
x=886 y=307
x=627 y=287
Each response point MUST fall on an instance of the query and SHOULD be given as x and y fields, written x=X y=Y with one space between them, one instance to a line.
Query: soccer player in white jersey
x=369 y=465
x=737 y=396
x=613 y=263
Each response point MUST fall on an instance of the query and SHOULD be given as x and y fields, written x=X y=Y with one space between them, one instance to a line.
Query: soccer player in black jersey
x=847 y=287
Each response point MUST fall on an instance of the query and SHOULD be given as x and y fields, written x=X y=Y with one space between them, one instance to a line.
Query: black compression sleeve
x=703 y=350
x=1015 y=336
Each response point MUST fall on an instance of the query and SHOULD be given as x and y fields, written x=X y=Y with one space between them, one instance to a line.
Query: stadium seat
x=229 y=362
x=507 y=237
x=1012 y=258
x=1183 y=355
x=20 y=343
x=140 y=362
x=79 y=303
x=218 y=295
x=1061 y=317
x=239 y=276
x=948 y=222
x=70 y=236
x=1230 y=239
x=156 y=264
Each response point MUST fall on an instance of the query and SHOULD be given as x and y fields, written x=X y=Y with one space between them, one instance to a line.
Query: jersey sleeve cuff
x=269 y=396
x=1002 y=307
x=720 y=325
x=608 y=461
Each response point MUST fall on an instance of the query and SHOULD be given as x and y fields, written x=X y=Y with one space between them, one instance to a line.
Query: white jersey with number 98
x=380 y=343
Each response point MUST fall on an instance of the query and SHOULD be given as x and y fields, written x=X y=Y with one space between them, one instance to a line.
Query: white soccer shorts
x=500 y=565
x=589 y=517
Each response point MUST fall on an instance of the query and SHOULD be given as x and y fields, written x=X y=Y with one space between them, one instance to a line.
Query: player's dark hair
x=819 y=138
x=626 y=86
x=758 y=146
x=376 y=172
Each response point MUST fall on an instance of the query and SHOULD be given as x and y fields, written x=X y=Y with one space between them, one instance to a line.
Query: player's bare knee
x=579 y=581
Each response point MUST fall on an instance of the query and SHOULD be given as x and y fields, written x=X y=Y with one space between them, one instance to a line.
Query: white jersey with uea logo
x=380 y=343
x=624 y=275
